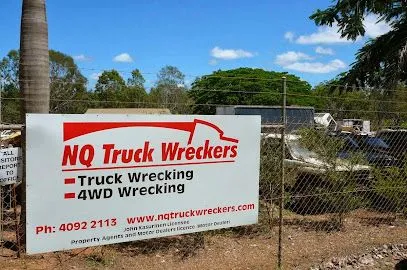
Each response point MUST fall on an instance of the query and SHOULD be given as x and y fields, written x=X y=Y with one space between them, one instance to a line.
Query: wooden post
x=282 y=180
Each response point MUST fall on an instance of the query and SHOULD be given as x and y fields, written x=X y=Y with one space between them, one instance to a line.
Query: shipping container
x=297 y=117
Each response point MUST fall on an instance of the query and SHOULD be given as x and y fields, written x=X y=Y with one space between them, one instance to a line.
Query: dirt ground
x=304 y=247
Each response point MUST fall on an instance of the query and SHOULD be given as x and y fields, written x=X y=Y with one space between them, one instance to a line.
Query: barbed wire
x=274 y=92
x=347 y=98
x=368 y=90
x=162 y=103
x=128 y=71
x=64 y=82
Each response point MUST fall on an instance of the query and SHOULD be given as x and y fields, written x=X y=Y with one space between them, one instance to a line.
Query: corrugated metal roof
x=268 y=107
x=128 y=111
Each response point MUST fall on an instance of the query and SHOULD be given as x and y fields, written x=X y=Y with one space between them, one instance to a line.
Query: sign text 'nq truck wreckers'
x=103 y=179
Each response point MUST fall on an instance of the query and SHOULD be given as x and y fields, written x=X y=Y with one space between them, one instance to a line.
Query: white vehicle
x=308 y=176
x=308 y=161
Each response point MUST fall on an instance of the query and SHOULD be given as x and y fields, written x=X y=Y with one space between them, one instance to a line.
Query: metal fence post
x=21 y=225
x=281 y=207
x=1 y=216
x=1 y=104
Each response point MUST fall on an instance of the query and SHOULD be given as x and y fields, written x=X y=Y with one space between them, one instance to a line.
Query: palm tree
x=34 y=60
x=382 y=61
x=34 y=77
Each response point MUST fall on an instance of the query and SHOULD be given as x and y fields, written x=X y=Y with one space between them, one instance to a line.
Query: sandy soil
x=238 y=249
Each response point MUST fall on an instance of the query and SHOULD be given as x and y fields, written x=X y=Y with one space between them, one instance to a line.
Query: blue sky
x=197 y=36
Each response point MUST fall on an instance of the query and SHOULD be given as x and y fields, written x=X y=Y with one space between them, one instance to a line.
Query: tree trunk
x=34 y=57
x=34 y=81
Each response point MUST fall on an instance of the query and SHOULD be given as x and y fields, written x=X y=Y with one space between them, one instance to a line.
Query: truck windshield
x=300 y=152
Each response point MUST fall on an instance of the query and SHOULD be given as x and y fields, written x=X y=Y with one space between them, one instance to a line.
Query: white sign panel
x=103 y=179
x=10 y=166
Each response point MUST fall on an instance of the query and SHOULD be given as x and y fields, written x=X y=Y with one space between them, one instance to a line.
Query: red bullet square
x=70 y=195
x=69 y=181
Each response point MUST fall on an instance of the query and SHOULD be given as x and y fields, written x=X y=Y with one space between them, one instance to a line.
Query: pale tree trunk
x=34 y=80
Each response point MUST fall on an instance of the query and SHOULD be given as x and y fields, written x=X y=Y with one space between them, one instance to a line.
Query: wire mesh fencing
x=11 y=158
x=341 y=180
x=333 y=180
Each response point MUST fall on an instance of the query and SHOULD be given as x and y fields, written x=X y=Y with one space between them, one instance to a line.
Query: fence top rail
x=11 y=126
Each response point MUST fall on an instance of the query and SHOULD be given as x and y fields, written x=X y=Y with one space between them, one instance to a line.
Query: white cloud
x=317 y=67
x=299 y=61
x=330 y=35
x=82 y=58
x=291 y=57
x=213 y=62
x=95 y=76
x=324 y=35
x=123 y=58
x=373 y=28
x=325 y=51
x=289 y=36
x=230 y=54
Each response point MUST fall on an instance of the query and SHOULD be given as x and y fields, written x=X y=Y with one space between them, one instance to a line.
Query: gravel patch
x=384 y=257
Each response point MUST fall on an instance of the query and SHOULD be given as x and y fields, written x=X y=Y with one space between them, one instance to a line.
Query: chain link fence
x=327 y=188
x=9 y=209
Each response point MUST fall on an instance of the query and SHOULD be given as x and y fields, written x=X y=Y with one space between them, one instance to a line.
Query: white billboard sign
x=103 y=179
x=10 y=166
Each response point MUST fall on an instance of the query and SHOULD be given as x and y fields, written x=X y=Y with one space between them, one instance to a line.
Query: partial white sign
x=103 y=179
x=10 y=166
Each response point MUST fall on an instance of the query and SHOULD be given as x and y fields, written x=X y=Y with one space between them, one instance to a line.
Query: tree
x=9 y=73
x=170 y=90
x=135 y=90
x=136 y=79
x=170 y=75
x=9 y=69
x=342 y=104
x=383 y=110
x=381 y=62
x=34 y=61
x=67 y=84
x=247 y=86
x=108 y=88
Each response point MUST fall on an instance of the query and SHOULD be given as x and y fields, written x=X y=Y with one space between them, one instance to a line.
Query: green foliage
x=334 y=188
x=381 y=62
x=11 y=106
x=382 y=108
x=270 y=168
x=136 y=79
x=11 y=103
x=170 y=75
x=341 y=104
x=9 y=67
x=109 y=82
x=113 y=92
x=326 y=147
x=69 y=93
x=170 y=91
x=246 y=86
x=67 y=84
x=390 y=189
